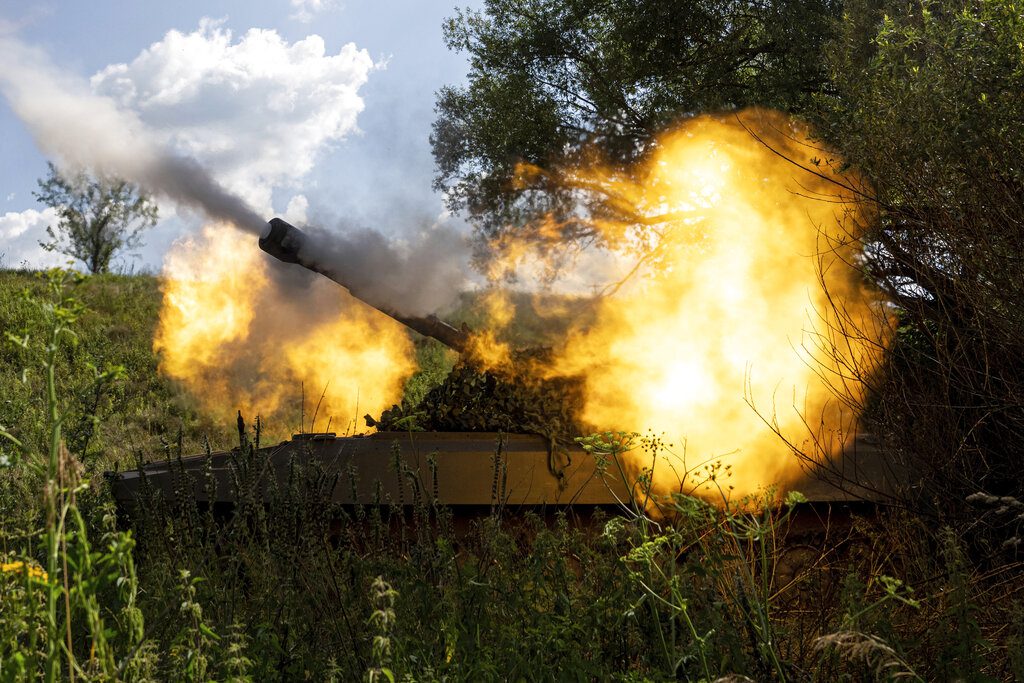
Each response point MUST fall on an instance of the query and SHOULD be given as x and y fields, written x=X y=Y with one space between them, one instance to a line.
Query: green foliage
x=961 y=657
x=433 y=362
x=473 y=400
x=80 y=590
x=925 y=103
x=191 y=647
x=98 y=217
x=289 y=587
x=550 y=78
x=382 y=622
x=237 y=664
x=113 y=399
x=21 y=629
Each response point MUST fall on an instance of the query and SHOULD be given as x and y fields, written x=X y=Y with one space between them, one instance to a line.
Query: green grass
x=116 y=327
x=297 y=589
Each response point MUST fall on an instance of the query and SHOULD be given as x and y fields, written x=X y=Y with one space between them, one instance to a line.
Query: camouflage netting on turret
x=475 y=400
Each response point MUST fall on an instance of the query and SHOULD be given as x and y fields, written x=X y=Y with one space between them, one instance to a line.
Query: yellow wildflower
x=34 y=570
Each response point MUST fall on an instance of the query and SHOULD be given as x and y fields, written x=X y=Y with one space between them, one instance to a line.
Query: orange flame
x=485 y=348
x=731 y=336
x=236 y=340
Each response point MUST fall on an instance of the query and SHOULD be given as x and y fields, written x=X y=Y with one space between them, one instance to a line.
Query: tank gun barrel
x=286 y=243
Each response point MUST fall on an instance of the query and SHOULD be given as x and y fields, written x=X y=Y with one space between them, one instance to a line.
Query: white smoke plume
x=84 y=130
x=102 y=126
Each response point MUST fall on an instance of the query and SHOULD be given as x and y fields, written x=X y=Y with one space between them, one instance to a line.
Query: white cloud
x=256 y=111
x=305 y=10
x=298 y=208
x=20 y=234
x=15 y=224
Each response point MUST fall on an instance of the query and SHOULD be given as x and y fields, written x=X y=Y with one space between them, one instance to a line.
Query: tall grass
x=75 y=575
x=289 y=587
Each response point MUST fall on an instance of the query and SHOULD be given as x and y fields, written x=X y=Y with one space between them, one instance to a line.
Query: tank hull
x=454 y=469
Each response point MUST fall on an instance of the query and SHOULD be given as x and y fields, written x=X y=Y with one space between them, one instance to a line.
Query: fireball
x=301 y=352
x=731 y=345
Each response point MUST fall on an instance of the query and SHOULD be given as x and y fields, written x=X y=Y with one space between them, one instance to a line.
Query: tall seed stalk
x=61 y=312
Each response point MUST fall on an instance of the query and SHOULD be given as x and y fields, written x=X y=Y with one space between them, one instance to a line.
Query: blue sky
x=371 y=167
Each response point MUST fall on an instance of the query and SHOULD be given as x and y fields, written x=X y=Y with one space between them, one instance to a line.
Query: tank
x=456 y=469
x=461 y=470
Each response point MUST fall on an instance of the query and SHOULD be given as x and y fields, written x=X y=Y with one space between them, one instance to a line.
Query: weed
x=288 y=586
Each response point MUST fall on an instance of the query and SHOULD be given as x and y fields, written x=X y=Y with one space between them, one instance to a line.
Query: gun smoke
x=418 y=277
x=83 y=130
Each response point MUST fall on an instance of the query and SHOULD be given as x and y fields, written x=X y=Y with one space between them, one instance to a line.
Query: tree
x=925 y=101
x=98 y=216
x=922 y=99
x=551 y=79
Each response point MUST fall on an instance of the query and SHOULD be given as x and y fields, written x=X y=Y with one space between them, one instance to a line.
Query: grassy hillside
x=107 y=422
x=112 y=422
